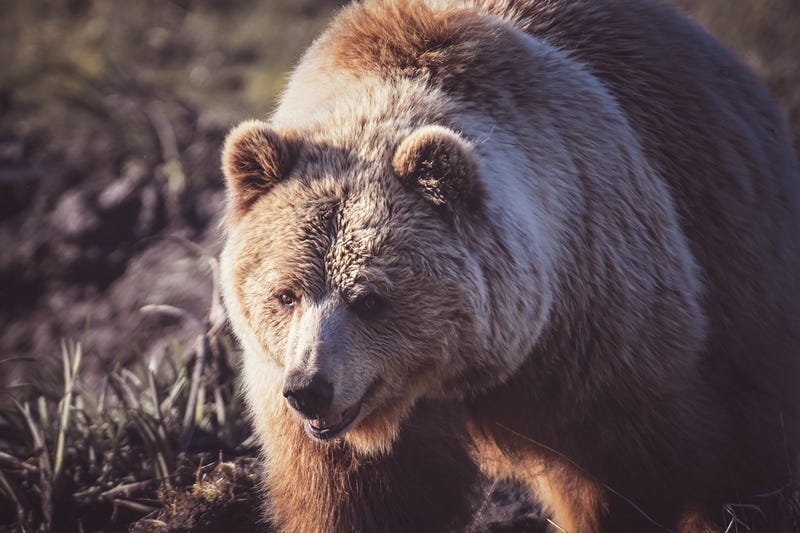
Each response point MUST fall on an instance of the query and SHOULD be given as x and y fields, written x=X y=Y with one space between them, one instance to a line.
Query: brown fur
x=261 y=157
x=634 y=359
x=427 y=483
x=439 y=165
x=360 y=42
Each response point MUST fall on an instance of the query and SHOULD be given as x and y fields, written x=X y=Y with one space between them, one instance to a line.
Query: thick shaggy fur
x=579 y=218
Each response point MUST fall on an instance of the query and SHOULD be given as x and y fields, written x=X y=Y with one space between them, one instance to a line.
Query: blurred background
x=112 y=115
x=111 y=120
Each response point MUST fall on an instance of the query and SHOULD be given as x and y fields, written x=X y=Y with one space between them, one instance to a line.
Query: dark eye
x=369 y=306
x=287 y=298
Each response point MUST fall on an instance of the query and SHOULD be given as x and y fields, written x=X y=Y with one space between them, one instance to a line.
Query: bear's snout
x=311 y=395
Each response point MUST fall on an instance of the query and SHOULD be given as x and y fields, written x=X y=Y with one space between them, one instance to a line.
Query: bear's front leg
x=426 y=483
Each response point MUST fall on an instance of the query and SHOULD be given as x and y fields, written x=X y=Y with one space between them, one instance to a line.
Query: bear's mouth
x=331 y=426
x=334 y=425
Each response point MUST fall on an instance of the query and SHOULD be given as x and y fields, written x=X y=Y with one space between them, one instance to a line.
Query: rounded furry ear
x=438 y=163
x=254 y=159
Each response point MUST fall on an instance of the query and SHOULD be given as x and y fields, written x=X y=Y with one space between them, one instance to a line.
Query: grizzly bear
x=556 y=239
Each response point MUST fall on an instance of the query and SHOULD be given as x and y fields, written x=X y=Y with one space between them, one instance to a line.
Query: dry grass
x=78 y=457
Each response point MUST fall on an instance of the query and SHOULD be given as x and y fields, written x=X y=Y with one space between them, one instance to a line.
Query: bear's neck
x=425 y=484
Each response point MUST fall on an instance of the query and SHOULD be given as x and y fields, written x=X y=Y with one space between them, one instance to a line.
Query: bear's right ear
x=439 y=164
x=254 y=159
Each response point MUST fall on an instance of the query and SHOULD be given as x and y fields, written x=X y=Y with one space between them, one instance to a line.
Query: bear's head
x=347 y=277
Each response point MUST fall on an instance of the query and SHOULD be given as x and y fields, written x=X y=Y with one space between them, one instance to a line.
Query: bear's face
x=346 y=277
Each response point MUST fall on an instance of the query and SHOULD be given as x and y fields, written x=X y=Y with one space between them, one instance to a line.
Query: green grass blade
x=70 y=373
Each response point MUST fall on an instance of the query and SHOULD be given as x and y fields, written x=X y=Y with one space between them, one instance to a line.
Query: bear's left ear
x=254 y=160
x=438 y=163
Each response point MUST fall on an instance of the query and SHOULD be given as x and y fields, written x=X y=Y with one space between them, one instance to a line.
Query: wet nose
x=310 y=395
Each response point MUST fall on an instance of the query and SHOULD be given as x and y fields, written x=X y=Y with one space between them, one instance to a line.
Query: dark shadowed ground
x=111 y=119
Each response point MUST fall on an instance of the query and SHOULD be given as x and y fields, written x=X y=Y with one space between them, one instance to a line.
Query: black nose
x=311 y=395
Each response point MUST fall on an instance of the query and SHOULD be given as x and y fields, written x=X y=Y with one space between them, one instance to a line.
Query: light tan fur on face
x=333 y=234
x=587 y=242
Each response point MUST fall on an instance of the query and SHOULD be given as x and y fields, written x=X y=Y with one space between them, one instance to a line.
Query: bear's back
x=709 y=128
x=714 y=134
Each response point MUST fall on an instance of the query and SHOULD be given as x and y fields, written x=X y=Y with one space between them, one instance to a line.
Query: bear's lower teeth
x=322 y=423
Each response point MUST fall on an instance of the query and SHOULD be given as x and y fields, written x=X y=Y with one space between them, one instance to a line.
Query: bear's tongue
x=322 y=423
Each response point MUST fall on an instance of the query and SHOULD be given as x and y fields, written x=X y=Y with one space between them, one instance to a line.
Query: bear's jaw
x=334 y=424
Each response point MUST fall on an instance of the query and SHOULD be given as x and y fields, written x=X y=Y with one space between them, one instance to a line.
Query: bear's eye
x=287 y=298
x=368 y=306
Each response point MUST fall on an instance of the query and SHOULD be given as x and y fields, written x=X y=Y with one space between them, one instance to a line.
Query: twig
x=126 y=489
x=138 y=507
x=18 y=358
x=171 y=310
x=478 y=515
x=13 y=461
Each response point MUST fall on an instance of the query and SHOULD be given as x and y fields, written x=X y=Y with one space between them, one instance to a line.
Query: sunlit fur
x=605 y=277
